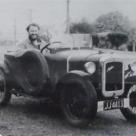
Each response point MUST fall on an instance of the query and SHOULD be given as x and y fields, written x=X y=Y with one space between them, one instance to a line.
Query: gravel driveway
x=27 y=117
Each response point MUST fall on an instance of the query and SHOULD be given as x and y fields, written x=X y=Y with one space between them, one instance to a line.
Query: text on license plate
x=113 y=104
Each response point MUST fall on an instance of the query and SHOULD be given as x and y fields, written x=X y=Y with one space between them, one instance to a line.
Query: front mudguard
x=65 y=79
x=27 y=71
x=130 y=80
x=73 y=74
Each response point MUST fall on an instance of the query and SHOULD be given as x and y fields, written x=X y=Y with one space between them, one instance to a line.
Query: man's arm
x=43 y=43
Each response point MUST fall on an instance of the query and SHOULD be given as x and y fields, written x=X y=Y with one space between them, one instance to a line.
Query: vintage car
x=81 y=80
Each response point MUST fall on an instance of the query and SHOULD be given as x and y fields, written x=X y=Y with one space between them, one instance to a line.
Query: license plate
x=113 y=104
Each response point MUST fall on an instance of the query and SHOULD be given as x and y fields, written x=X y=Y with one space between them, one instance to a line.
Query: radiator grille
x=113 y=76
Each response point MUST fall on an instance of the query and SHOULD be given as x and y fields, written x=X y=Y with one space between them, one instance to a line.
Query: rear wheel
x=5 y=95
x=130 y=113
x=79 y=102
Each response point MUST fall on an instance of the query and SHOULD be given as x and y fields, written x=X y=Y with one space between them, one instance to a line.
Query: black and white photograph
x=67 y=67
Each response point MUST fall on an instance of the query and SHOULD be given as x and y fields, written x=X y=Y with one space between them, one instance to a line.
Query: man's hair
x=33 y=24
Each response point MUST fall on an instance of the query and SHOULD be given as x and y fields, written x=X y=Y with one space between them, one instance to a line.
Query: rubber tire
x=6 y=94
x=91 y=102
x=127 y=112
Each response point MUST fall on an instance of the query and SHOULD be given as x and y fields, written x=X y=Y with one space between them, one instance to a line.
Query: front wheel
x=5 y=95
x=79 y=102
x=130 y=112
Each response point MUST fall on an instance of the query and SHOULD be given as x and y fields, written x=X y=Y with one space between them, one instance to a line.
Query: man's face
x=33 y=33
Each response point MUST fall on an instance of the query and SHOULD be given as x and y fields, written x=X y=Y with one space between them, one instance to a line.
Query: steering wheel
x=48 y=44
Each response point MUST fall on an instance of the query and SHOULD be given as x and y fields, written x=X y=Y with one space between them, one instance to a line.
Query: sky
x=52 y=13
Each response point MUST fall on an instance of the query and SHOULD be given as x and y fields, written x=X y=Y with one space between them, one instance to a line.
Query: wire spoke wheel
x=75 y=102
x=79 y=102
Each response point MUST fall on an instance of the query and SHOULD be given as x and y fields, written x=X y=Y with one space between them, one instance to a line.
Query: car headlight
x=133 y=66
x=90 y=67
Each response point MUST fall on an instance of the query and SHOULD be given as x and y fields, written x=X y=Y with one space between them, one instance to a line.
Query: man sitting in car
x=33 y=41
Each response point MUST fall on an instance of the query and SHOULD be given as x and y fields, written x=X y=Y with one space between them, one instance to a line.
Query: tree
x=117 y=22
x=113 y=21
x=81 y=27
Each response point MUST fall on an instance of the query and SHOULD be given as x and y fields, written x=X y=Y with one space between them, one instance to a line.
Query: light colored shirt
x=27 y=44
